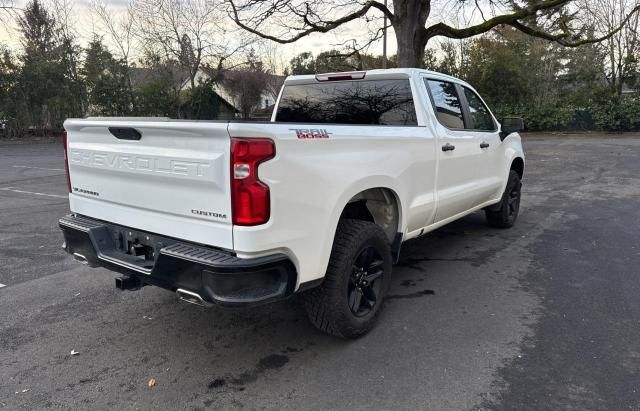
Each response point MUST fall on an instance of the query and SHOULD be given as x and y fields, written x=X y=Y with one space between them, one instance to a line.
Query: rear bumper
x=217 y=276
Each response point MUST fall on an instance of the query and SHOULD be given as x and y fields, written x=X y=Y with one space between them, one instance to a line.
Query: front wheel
x=509 y=206
x=348 y=302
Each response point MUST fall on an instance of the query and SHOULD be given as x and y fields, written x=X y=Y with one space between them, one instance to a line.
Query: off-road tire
x=506 y=215
x=328 y=306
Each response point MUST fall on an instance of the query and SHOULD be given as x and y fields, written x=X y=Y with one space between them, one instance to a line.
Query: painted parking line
x=15 y=190
x=40 y=168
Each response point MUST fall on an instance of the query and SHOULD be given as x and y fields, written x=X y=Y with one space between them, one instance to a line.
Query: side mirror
x=510 y=125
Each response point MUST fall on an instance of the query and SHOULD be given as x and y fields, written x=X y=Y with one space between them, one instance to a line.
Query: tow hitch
x=129 y=283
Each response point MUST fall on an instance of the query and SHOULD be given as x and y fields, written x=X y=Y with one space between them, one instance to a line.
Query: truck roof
x=374 y=74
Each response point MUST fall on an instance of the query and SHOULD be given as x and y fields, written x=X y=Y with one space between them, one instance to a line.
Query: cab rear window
x=382 y=102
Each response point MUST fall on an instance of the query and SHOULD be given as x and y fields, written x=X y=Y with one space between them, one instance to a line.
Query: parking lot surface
x=545 y=315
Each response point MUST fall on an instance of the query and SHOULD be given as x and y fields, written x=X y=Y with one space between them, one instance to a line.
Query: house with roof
x=268 y=96
x=229 y=104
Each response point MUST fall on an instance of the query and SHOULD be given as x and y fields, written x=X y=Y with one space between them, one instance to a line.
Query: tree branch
x=383 y=9
x=445 y=30
x=562 y=37
x=8 y=7
x=313 y=27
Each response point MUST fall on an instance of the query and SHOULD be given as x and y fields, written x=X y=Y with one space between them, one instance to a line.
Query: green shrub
x=543 y=118
x=607 y=114
x=617 y=114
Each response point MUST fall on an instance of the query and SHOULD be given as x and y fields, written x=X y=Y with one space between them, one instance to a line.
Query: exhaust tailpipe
x=191 y=298
x=81 y=258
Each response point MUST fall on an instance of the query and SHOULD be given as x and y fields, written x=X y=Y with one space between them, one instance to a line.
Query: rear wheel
x=506 y=215
x=348 y=302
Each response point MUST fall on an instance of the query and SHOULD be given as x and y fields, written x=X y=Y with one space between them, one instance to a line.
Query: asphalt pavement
x=545 y=315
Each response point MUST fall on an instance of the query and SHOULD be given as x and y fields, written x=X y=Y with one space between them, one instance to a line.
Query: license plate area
x=142 y=247
x=133 y=248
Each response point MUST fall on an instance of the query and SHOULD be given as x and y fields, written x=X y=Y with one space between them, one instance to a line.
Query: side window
x=480 y=116
x=447 y=102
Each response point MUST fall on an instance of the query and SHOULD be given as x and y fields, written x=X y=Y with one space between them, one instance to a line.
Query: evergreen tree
x=50 y=88
x=106 y=79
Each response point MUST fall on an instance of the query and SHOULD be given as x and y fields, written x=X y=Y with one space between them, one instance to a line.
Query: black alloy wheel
x=365 y=282
x=348 y=302
x=506 y=215
x=514 y=200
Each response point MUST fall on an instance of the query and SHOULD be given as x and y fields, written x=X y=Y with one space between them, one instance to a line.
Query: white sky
x=86 y=23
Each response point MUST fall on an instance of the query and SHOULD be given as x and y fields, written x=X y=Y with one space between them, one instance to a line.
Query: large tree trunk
x=408 y=24
x=409 y=54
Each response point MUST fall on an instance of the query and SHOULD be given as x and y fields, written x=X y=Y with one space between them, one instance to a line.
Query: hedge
x=613 y=114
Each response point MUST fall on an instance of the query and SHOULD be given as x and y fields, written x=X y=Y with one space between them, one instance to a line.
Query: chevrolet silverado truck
x=317 y=201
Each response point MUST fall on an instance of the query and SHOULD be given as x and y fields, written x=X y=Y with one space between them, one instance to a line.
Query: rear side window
x=480 y=116
x=447 y=103
x=383 y=102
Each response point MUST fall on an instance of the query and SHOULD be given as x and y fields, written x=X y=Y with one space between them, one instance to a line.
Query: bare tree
x=247 y=83
x=7 y=5
x=189 y=31
x=66 y=35
x=119 y=28
x=286 y=21
x=271 y=55
x=64 y=15
x=8 y=9
x=622 y=49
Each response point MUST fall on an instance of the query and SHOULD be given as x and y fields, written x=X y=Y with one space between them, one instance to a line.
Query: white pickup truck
x=317 y=201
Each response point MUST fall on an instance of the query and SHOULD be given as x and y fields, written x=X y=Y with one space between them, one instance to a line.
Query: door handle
x=484 y=144
x=448 y=147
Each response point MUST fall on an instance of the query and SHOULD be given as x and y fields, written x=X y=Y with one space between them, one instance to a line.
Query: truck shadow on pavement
x=211 y=355
x=277 y=336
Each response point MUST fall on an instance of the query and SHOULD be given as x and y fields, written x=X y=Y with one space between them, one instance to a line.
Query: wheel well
x=377 y=205
x=518 y=166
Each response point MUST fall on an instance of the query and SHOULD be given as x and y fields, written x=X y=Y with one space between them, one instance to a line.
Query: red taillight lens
x=352 y=75
x=250 y=199
x=66 y=159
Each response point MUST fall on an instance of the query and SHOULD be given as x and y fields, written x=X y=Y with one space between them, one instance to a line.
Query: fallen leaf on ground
x=152 y=383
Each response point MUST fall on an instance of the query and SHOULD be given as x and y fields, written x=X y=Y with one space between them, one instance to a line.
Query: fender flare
x=370 y=182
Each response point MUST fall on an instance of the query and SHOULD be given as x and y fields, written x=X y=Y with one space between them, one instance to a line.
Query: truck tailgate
x=173 y=180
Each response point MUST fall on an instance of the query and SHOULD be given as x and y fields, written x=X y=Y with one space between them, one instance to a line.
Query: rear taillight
x=250 y=199
x=66 y=159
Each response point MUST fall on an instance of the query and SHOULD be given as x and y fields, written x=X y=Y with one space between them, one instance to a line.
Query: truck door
x=483 y=125
x=458 y=149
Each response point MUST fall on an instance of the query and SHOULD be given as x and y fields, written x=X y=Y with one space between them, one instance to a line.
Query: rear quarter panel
x=312 y=179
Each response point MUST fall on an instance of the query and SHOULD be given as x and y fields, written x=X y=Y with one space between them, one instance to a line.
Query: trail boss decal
x=311 y=132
